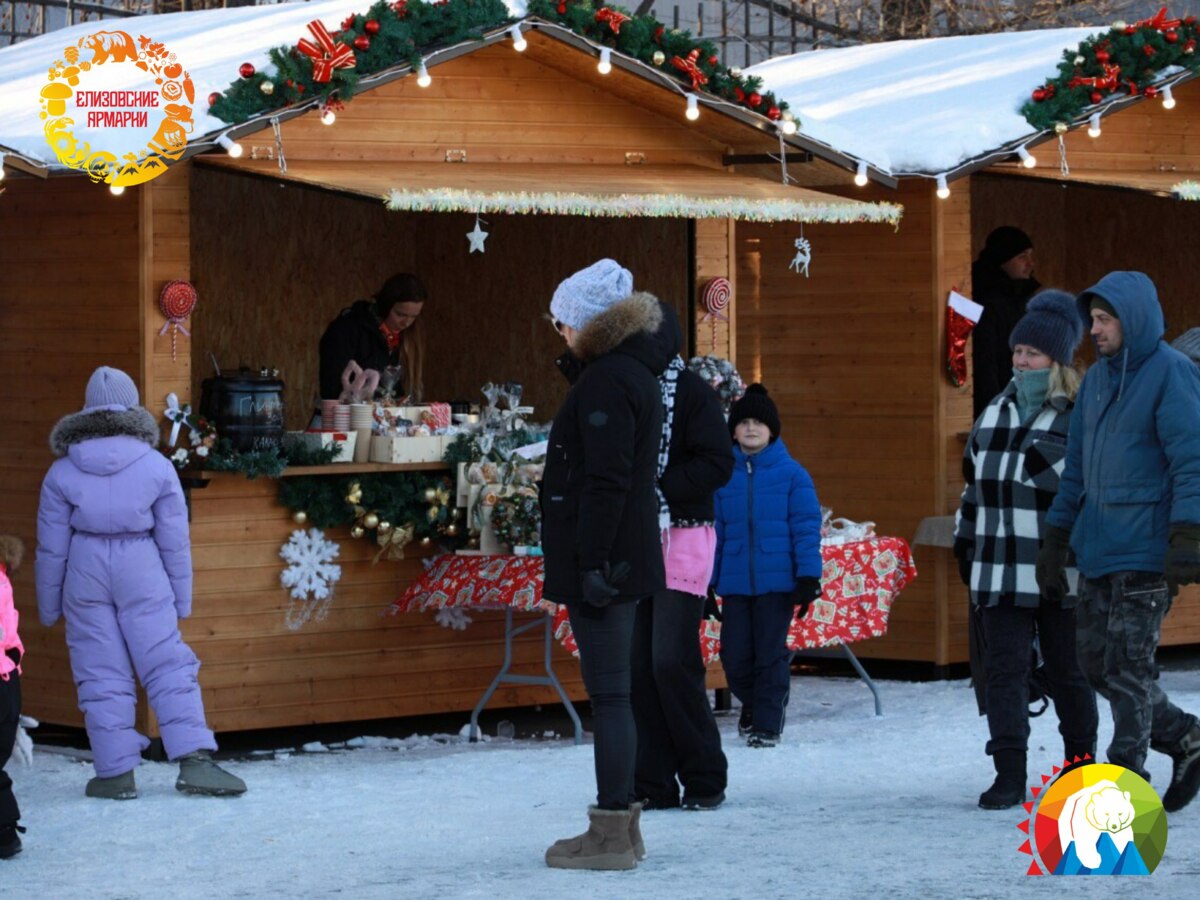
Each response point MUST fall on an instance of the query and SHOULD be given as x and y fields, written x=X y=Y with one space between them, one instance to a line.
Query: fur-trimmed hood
x=104 y=441
x=638 y=315
x=12 y=549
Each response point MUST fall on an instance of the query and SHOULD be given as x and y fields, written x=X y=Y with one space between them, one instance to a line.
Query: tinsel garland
x=404 y=31
x=1187 y=190
x=1126 y=60
x=396 y=498
x=640 y=205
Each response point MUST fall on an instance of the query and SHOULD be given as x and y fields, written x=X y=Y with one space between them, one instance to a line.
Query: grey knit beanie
x=1051 y=324
x=1188 y=344
x=590 y=292
x=110 y=388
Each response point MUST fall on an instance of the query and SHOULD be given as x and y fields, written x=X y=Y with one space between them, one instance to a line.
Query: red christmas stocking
x=961 y=317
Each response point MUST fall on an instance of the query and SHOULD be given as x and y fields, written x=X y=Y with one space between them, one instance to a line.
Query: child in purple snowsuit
x=114 y=559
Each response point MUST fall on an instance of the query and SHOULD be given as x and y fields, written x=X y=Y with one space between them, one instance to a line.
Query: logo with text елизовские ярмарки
x=1096 y=819
x=117 y=108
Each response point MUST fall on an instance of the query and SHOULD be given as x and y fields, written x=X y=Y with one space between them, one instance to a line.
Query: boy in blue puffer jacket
x=768 y=562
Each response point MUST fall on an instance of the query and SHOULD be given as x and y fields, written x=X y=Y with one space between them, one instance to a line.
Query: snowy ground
x=848 y=806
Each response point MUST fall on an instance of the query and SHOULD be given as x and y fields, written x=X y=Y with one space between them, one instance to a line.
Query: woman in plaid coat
x=1012 y=465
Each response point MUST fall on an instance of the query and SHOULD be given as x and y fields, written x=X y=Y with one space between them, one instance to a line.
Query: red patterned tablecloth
x=861 y=580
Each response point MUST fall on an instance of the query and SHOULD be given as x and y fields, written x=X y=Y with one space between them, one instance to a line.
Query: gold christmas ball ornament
x=1061 y=128
x=659 y=57
x=384 y=526
x=451 y=529
x=370 y=520
x=430 y=494
x=267 y=87
x=425 y=541
x=299 y=517
x=357 y=531
x=433 y=513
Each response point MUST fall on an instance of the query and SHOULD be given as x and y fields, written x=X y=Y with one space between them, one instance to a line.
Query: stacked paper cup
x=328 y=408
x=341 y=417
x=361 y=416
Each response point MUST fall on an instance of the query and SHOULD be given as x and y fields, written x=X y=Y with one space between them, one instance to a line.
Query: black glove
x=711 y=610
x=1051 y=567
x=1182 y=565
x=807 y=590
x=599 y=586
x=964 y=552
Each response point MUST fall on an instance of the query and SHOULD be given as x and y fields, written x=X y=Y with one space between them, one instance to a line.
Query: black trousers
x=10 y=718
x=605 y=638
x=677 y=736
x=1009 y=631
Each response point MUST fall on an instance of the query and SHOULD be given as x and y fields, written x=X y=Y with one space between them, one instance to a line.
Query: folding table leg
x=862 y=673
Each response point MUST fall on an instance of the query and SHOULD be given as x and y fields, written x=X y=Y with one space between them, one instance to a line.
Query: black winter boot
x=1077 y=755
x=10 y=841
x=1008 y=789
x=1185 y=773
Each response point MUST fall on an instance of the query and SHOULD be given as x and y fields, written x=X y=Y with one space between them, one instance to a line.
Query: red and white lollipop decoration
x=714 y=298
x=177 y=300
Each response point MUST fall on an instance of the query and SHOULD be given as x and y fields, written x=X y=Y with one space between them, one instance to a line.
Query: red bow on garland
x=689 y=67
x=1110 y=80
x=1160 y=22
x=326 y=54
x=614 y=19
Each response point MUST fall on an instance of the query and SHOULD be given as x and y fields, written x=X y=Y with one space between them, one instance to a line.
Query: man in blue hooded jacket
x=1129 y=506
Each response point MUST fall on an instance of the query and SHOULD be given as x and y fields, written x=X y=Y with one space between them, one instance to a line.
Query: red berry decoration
x=348 y=23
x=714 y=60
x=1097 y=96
x=1148 y=50
x=400 y=8
x=774 y=113
x=755 y=100
x=1151 y=92
x=1102 y=56
x=246 y=70
x=562 y=9
x=1039 y=94
x=1171 y=37
x=362 y=42
x=371 y=26
x=213 y=98
x=739 y=94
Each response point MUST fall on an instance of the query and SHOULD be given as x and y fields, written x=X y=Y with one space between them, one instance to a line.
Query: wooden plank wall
x=357 y=662
x=714 y=252
x=267 y=301
x=853 y=357
x=69 y=279
x=1128 y=230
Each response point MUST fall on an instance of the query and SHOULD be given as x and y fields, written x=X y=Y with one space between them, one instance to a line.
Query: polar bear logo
x=1092 y=811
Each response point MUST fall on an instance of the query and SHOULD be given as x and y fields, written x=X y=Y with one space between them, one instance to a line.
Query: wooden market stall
x=276 y=253
x=856 y=353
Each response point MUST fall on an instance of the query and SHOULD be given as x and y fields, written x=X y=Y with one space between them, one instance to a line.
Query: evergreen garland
x=1125 y=60
x=269 y=462
x=407 y=30
x=398 y=498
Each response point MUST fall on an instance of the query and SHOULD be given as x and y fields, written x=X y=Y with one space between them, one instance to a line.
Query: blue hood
x=1134 y=297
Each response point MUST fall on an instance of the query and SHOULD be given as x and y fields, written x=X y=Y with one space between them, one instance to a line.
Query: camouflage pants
x=1119 y=620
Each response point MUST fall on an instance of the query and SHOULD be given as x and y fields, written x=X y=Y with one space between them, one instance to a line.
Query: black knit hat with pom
x=755 y=404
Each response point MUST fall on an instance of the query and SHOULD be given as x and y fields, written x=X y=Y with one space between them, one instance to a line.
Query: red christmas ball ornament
x=1148 y=50
x=246 y=70
x=1171 y=36
x=755 y=99
x=1096 y=97
x=213 y=98
x=1039 y=94
x=1102 y=56
x=739 y=94
x=400 y=8
x=1151 y=92
x=774 y=113
x=1190 y=46
x=371 y=26
x=362 y=42
x=714 y=60
x=562 y=9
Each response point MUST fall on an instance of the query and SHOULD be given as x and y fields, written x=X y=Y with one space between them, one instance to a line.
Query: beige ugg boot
x=605 y=845
x=635 y=831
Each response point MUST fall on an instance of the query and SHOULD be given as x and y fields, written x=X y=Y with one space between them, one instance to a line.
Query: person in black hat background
x=377 y=333
x=768 y=564
x=1002 y=281
x=1011 y=466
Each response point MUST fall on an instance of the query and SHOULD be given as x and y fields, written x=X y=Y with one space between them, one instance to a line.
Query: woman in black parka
x=600 y=527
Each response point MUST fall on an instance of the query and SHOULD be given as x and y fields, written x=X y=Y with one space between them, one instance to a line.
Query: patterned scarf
x=668 y=382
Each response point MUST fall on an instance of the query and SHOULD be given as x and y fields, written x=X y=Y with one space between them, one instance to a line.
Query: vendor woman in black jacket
x=376 y=334
x=600 y=527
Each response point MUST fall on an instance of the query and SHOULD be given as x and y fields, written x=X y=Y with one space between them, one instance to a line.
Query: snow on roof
x=210 y=44
x=920 y=107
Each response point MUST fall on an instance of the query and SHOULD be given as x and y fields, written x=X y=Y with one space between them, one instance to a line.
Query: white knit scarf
x=668 y=382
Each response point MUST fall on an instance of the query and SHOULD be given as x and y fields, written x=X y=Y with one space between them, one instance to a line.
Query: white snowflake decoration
x=452 y=617
x=311 y=575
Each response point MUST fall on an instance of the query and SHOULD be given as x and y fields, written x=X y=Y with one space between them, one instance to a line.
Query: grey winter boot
x=118 y=787
x=1008 y=789
x=198 y=774
x=1185 y=773
x=604 y=846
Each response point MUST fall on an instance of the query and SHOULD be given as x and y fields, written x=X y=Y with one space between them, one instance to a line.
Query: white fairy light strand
x=639 y=205
x=1187 y=190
